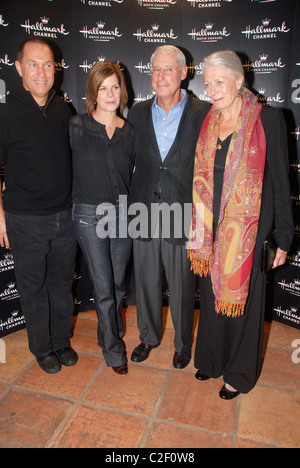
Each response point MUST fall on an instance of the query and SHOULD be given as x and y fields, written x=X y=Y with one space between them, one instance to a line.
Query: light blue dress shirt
x=166 y=126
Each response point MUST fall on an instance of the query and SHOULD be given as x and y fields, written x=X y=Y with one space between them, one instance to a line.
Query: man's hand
x=280 y=258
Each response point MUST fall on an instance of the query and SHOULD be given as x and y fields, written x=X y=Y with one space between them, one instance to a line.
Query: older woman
x=241 y=193
x=102 y=145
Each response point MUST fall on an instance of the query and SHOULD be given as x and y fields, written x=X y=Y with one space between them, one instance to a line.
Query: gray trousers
x=151 y=258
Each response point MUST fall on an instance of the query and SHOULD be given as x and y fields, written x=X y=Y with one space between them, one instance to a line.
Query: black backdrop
x=265 y=33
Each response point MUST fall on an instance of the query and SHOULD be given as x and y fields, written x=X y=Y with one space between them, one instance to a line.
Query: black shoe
x=141 y=352
x=49 y=363
x=226 y=394
x=121 y=370
x=67 y=356
x=181 y=360
x=201 y=376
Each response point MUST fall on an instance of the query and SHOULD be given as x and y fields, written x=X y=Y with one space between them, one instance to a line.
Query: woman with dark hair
x=241 y=194
x=102 y=145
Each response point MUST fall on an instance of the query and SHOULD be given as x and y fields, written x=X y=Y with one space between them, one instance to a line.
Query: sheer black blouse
x=102 y=167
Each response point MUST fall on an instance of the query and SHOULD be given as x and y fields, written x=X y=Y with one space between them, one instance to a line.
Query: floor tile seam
x=156 y=408
x=44 y=393
x=273 y=387
x=199 y=429
x=257 y=442
x=58 y=431
x=23 y=371
x=107 y=409
x=236 y=421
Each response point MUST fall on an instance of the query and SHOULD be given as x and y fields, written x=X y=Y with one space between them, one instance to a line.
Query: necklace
x=219 y=144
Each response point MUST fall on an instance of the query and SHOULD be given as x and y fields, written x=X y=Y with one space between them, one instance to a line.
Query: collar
x=180 y=104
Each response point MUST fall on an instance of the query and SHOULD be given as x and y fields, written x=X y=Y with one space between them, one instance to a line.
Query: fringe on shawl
x=202 y=267
x=230 y=310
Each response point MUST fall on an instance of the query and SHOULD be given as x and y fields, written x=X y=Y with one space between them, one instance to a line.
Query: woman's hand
x=280 y=258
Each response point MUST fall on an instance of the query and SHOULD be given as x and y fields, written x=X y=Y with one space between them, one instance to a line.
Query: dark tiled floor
x=154 y=406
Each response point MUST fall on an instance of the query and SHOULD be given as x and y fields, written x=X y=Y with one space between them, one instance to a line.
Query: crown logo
x=14 y=313
x=11 y=285
x=266 y=21
x=263 y=57
x=155 y=27
x=209 y=26
x=101 y=59
x=45 y=20
x=262 y=91
x=8 y=257
x=100 y=24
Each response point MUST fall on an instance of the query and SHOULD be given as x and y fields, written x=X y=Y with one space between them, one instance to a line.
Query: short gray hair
x=227 y=59
x=169 y=49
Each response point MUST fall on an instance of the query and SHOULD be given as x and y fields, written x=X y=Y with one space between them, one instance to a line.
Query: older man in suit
x=167 y=128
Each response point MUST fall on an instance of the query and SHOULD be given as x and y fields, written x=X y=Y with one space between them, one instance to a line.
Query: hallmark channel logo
x=291 y=315
x=86 y=66
x=42 y=28
x=9 y=293
x=209 y=33
x=7 y=263
x=107 y=3
x=2 y=22
x=156 y=4
x=155 y=35
x=207 y=3
x=266 y=100
x=140 y=98
x=5 y=61
x=293 y=287
x=294 y=259
x=16 y=319
x=263 y=65
x=100 y=33
x=296 y=134
x=265 y=30
x=144 y=68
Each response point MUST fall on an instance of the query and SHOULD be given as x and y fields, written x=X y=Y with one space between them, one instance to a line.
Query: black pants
x=150 y=259
x=44 y=250
x=232 y=347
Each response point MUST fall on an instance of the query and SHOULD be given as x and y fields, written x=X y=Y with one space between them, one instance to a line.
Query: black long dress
x=232 y=347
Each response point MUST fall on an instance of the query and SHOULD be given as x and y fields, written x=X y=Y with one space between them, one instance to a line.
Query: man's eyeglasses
x=165 y=71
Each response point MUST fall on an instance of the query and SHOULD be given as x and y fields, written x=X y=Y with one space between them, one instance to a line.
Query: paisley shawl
x=229 y=259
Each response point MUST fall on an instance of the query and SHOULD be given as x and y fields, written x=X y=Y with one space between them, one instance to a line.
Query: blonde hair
x=170 y=49
x=99 y=73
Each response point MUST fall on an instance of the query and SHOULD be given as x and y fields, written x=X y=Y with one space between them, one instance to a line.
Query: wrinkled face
x=167 y=76
x=221 y=86
x=37 y=71
x=109 y=94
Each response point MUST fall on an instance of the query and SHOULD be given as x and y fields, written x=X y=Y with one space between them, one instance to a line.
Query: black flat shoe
x=201 y=376
x=121 y=370
x=226 y=394
x=181 y=360
x=141 y=352
x=67 y=356
x=49 y=363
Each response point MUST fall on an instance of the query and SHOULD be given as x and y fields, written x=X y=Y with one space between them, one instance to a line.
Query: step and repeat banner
x=265 y=34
